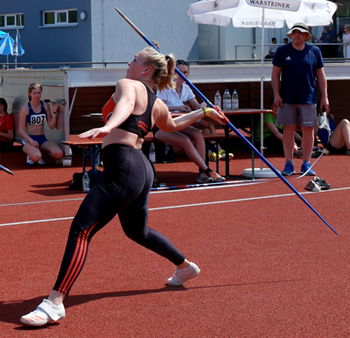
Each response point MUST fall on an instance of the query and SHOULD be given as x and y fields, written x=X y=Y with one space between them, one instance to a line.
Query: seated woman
x=337 y=140
x=272 y=49
x=273 y=136
x=31 y=127
x=6 y=128
x=190 y=139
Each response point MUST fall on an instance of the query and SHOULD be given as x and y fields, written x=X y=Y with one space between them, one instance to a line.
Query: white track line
x=187 y=205
x=151 y=193
x=39 y=202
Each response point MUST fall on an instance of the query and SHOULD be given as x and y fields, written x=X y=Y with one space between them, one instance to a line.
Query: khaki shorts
x=289 y=113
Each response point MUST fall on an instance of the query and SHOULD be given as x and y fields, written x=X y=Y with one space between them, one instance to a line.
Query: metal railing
x=106 y=64
x=318 y=44
x=62 y=65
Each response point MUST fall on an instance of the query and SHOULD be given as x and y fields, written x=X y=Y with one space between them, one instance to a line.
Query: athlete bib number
x=37 y=119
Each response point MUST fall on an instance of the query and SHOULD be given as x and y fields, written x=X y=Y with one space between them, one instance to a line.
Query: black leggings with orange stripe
x=123 y=189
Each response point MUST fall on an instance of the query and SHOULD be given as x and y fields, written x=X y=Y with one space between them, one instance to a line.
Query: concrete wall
x=162 y=20
x=105 y=37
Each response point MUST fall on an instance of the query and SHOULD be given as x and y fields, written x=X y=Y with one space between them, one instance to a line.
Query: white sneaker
x=182 y=275
x=312 y=186
x=44 y=313
x=29 y=161
x=41 y=161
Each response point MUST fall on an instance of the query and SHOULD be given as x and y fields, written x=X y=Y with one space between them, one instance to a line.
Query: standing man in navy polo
x=295 y=93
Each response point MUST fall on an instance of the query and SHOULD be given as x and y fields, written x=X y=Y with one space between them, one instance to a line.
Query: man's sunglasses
x=182 y=62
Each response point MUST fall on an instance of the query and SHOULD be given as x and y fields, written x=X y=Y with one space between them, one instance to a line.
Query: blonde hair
x=155 y=43
x=347 y=26
x=33 y=86
x=164 y=68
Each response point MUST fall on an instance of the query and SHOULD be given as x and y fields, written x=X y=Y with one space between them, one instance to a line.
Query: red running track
x=270 y=266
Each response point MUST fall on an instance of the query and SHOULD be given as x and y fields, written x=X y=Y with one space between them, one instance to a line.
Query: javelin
x=6 y=169
x=201 y=185
x=227 y=122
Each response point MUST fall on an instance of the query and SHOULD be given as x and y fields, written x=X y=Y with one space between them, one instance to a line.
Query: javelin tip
x=119 y=12
x=130 y=24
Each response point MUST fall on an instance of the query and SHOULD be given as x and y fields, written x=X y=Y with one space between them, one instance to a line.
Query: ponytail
x=164 y=68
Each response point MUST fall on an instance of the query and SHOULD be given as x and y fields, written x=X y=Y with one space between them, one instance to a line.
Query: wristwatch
x=55 y=112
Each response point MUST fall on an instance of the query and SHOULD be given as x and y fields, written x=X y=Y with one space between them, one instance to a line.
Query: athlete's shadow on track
x=54 y=189
x=11 y=312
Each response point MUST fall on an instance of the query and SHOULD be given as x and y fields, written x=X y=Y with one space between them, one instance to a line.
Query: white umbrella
x=263 y=14
x=253 y=13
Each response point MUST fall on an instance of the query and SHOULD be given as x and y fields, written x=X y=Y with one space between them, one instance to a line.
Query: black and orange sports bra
x=136 y=124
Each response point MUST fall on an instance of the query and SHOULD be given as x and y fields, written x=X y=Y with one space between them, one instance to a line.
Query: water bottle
x=235 y=100
x=152 y=153
x=166 y=150
x=166 y=153
x=226 y=100
x=324 y=124
x=86 y=182
x=217 y=99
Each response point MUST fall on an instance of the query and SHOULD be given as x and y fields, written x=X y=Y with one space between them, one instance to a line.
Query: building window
x=60 y=17
x=12 y=20
x=343 y=13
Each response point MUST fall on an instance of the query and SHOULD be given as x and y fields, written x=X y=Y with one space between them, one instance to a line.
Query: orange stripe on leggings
x=77 y=261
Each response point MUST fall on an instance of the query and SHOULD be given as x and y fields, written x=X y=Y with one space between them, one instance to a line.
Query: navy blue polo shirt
x=299 y=70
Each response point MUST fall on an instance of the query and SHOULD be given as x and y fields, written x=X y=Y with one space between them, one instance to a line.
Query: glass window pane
x=10 y=21
x=18 y=20
x=62 y=17
x=72 y=16
x=2 y=21
x=343 y=10
x=49 y=18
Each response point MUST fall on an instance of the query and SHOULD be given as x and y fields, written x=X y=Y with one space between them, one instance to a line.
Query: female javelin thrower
x=127 y=179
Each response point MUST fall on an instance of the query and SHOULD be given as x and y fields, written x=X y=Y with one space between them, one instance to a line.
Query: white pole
x=262 y=88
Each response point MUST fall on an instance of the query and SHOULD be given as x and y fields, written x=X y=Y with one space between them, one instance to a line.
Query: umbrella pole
x=236 y=131
x=263 y=172
x=262 y=88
